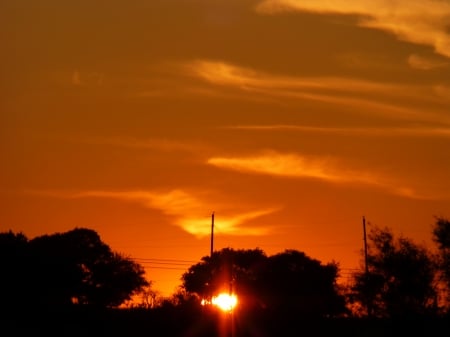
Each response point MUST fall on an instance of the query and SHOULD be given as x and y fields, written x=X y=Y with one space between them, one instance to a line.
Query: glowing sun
x=224 y=301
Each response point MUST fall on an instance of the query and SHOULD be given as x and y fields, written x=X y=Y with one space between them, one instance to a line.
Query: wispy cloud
x=425 y=131
x=442 y=91
x=90 y=78
x=364 y=97
x=76 y=78
x=224 y=73
x=298 y=166
x=187 y=211
x=290 y=165
x=425 y=63
x=418 y=21
x=231 y=225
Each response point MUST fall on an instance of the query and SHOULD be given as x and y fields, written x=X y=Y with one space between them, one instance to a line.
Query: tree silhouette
x=223 y=270
x=292 y=281
x=289 y=281
x=72 y=267
x=441 y=235
x=14 y=276
x=400 y=281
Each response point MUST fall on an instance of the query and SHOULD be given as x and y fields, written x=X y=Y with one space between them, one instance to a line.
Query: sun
x=224 y=301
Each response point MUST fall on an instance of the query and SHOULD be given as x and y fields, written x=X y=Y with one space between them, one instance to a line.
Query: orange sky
x=288 y=119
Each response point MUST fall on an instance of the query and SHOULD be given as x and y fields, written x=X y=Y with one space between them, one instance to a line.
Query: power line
x=158 y=267
x=168 y=264
x=164 y=260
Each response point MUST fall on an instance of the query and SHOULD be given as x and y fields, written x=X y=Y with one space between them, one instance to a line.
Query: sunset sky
x=289 y=119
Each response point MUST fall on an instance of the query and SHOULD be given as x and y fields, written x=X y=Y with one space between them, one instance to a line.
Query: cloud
x=232 y=225
x=297 y=166
x=417 y=21
x=425 y=63
x=365 y=96
x=442 y=91
x=188 y=211
x=223 y=73
x=289 y=165
x=92 y=78
x=76 y=78
x=360 y=131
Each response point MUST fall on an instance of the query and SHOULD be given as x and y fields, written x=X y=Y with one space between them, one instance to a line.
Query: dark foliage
x=289 y=281
x=293 y=281
x=400 y=278
x=62 y=269
x=15 y=277
x=441 y=235
x=287 y=294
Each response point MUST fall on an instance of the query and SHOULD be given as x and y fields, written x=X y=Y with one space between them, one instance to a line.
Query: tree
x=14 y=278
x=292 y=281
x=441 y=236
x=223 y=270
x=72 y=267
x=289 y=281
x=400 y=278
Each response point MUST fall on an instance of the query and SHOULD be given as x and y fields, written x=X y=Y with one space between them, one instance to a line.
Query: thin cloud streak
x=442 y=91
x=417 y=21
x=83 y=79
x=360 y=131
x=425 y=63
x=289 y=165
x=186 y=210
x=228 y=74
x=297 y=166
x=330 y=90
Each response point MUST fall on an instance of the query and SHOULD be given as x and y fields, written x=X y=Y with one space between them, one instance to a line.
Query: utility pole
x=365 y=245
x=366 y=265
x=212 y=233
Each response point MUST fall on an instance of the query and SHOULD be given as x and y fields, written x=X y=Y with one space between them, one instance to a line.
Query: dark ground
x=203 y=322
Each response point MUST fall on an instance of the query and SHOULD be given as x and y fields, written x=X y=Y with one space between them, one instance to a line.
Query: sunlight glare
x=225 y=302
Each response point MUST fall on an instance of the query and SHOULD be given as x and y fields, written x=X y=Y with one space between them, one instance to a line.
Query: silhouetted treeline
x=403 y=279
x=69 y=284
x=64 y=269
x=288 y=281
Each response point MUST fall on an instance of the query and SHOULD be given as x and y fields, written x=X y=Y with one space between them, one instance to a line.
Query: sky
x=289 y=120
